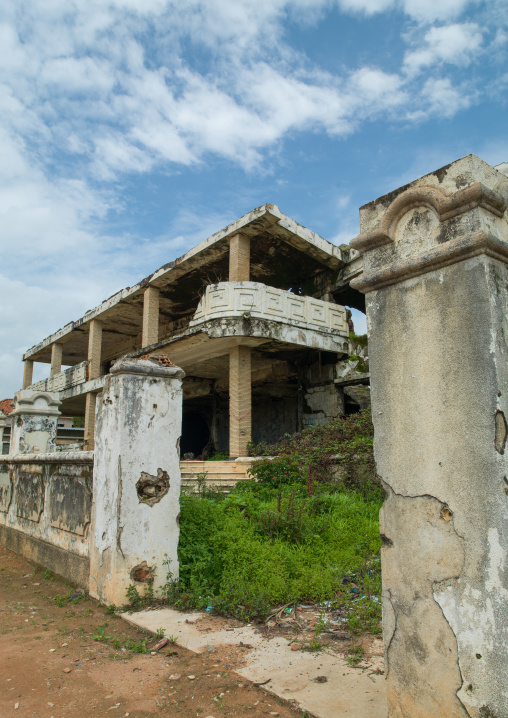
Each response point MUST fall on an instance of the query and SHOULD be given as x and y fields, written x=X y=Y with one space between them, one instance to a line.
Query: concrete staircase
x=224 y=474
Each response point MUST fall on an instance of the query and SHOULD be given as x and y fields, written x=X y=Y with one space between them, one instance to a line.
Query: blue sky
x=130 y=130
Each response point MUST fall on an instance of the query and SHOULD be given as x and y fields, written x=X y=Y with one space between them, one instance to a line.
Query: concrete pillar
x=89 y=423
x=56 y=359
x=3 y=424
x=28 y=370
x=240 y=401
x=150 y=316
x=136 y=479
x=34 y=422
x=239 y=258
x=94 y=370
x=94 y=349
x=436 y=280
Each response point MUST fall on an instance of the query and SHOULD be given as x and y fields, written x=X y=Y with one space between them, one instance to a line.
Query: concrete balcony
x=73 y=376
x=252 y=300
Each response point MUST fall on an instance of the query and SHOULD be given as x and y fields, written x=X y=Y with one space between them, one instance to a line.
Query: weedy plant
x=100 y=634
x=355 y=653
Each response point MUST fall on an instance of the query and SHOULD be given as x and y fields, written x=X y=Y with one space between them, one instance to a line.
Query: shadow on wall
x=195 y=433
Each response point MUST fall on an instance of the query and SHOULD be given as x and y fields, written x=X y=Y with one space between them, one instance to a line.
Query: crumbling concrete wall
x=136 y=477
x=45 y=510
x=436 y=279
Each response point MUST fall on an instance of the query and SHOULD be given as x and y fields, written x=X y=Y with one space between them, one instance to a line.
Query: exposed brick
x=240 y=405
x=56 y=359
x=94 y=349
x=150 y=316
x=28 y=371
x=239 y=258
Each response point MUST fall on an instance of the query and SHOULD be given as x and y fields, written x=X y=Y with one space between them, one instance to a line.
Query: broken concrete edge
x=446 y=206
x=455 y=250
x=132 y=365
x=291 y=702
x=60 y=457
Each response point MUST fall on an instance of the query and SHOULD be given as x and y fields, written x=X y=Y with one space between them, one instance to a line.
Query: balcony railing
x=237 y=299
x=72 y=376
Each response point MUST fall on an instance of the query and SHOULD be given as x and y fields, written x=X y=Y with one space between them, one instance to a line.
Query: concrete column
x=94 y=370
x=436 y=280
x=56 y=359
x=3 y=424
x=94 y=349
x=239 y=258
x=28 y=370
x=136 y=479
x=34 y=422
x=89 y=424
x=150 y=316
x=240 y=402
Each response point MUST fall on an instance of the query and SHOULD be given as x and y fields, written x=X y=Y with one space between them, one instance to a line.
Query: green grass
x=296 y=533
x=251 y=550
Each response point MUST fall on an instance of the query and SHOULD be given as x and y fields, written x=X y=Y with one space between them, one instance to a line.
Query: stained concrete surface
x=348 y=692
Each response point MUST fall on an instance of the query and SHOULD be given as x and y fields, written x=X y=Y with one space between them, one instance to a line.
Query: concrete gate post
x=34 y=422
x=436 y=279
x=136 y=496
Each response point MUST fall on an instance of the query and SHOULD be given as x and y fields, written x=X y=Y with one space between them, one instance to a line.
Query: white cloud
x=424 y=10
x=456 y=44
x=441 y=97
x=92 y=91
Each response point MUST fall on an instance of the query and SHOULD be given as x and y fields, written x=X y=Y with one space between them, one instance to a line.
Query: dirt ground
x=57 y=661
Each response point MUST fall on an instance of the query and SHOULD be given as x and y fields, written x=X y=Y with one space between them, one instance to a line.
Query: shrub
x=277 y=472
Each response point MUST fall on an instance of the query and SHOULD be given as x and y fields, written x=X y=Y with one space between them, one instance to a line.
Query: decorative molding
x=456 y=250
x=434 y=198
x=259 y=301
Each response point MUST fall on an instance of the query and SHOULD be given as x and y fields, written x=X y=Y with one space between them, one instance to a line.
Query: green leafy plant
x=277 y=472
x=136 y=646
x=355 y=653
x=159 y=633
x=100 y=634
x=219 y=456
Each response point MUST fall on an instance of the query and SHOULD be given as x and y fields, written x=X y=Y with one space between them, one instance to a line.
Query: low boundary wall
x=45 y=510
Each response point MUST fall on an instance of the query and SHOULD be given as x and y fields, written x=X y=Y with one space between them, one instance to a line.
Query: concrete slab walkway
x=347 y=692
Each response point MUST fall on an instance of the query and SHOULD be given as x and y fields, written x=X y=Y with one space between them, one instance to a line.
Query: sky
x=130 y=130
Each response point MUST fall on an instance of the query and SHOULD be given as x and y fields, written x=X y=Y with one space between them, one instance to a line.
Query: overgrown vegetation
x=305 y=528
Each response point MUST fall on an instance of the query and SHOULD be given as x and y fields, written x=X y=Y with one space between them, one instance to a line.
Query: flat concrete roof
x=300 y=254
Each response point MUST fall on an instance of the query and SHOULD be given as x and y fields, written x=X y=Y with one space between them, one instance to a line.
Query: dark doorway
x=195 y=433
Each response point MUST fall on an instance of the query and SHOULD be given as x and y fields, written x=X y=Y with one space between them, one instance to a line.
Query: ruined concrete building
x=255 y=315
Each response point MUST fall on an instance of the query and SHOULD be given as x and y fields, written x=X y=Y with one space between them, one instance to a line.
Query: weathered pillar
x=436 y=279
x=28 y=370
x=94 y=349
x=89 y=423
x=136 y=478
x=56 y=359
x=239 y=258
x=240 y=401
x=94 y=370
x=150 y=316
x=34 y=422
x=3 y=424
